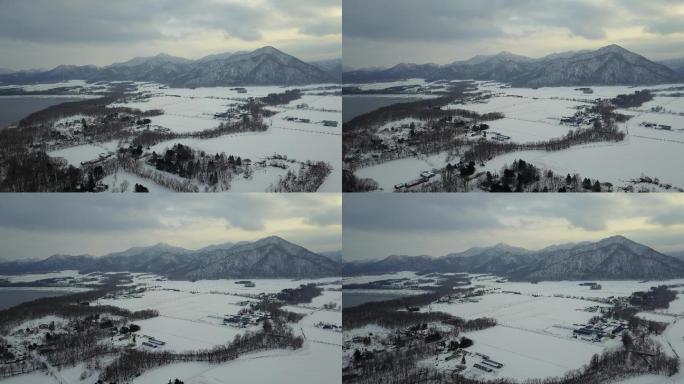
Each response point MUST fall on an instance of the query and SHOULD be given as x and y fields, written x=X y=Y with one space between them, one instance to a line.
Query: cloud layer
x=377 y=226
x=41 y=225
x=386 y=32
x=45 y=33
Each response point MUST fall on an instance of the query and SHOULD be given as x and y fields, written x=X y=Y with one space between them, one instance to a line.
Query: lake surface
x=9 y=297
x=352 y=299
x=353 y=106
x=13 y=109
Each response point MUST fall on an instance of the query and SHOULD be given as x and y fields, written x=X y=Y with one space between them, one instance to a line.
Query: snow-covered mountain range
x=610 y=65
x=613 y=258
x=264 y=66
x=270 y=257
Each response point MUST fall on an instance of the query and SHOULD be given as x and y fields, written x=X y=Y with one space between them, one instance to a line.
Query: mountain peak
x=267 y=50
x=616 y=239
x=613 y=48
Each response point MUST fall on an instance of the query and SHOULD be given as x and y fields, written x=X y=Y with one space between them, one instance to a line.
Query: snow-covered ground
x=534 y=115
x=191 y=317
x=82 y=153
x=191 y=110
x=533 y=337
x=184 y=321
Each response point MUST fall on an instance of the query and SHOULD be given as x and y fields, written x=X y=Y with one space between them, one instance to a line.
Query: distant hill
x=333 y=67
x=610 y=65
x=264 y=66
x=271 y=257
x=676 y=65
x=614 y=258
x=679 y=255
x=333 y=255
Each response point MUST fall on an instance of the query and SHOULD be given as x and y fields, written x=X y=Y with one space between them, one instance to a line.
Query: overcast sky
x=379 y=225
x=46 y=33
x=40 y=225
x=387 y=32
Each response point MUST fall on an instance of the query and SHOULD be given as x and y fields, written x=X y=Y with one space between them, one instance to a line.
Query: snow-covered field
x=533 y=337
x=534 y=115
x=76 y=155
x=185 y=322
x=192 y=110
x=191 y=317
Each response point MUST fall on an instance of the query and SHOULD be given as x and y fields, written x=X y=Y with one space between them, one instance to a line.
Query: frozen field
x=191 y=317
x=193 y=110
x=533 y=335
x=319 y=361
x=76 y=155
x=534 y=115
x=390 y=173
x=528 y=355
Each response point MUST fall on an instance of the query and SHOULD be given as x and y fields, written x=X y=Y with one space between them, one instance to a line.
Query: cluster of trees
x=441 y=135
x=351 y=183
x=658 y=297
x=281 y=98
x=37 y=172
x=25 y=165
x=275 y=334
x=254 y=123
x=80 y=340
x=636 y=99
x=302 y=294
x=519 y=176
x=392 y=313
x=400 y=366
x=133 y=362
x=484 y=150
x=310 y=177
x=216 y=171
x=68 y=306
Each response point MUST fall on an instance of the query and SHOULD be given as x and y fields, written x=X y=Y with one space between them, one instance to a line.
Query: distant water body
x=15 y=108
x=353 y=106
x=9 y=297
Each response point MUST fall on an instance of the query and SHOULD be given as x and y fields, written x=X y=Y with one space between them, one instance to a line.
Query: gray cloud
x=63 y=27
x=35 y=224
x=378 y=225
x=459 y=29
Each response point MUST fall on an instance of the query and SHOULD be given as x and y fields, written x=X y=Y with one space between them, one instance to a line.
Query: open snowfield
x=536 y=314
x=319 y=361
x=315 y=363
x=388 y=84
x=192 y=110
x=187 y=110
x=527 y=355
x=363 y=279
x=30 y=277
x=46 y=87
x=82 y=153
x=391 y=173
x=122 y=181
x=533 y=338
x=534 y=115
x=191 y=318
